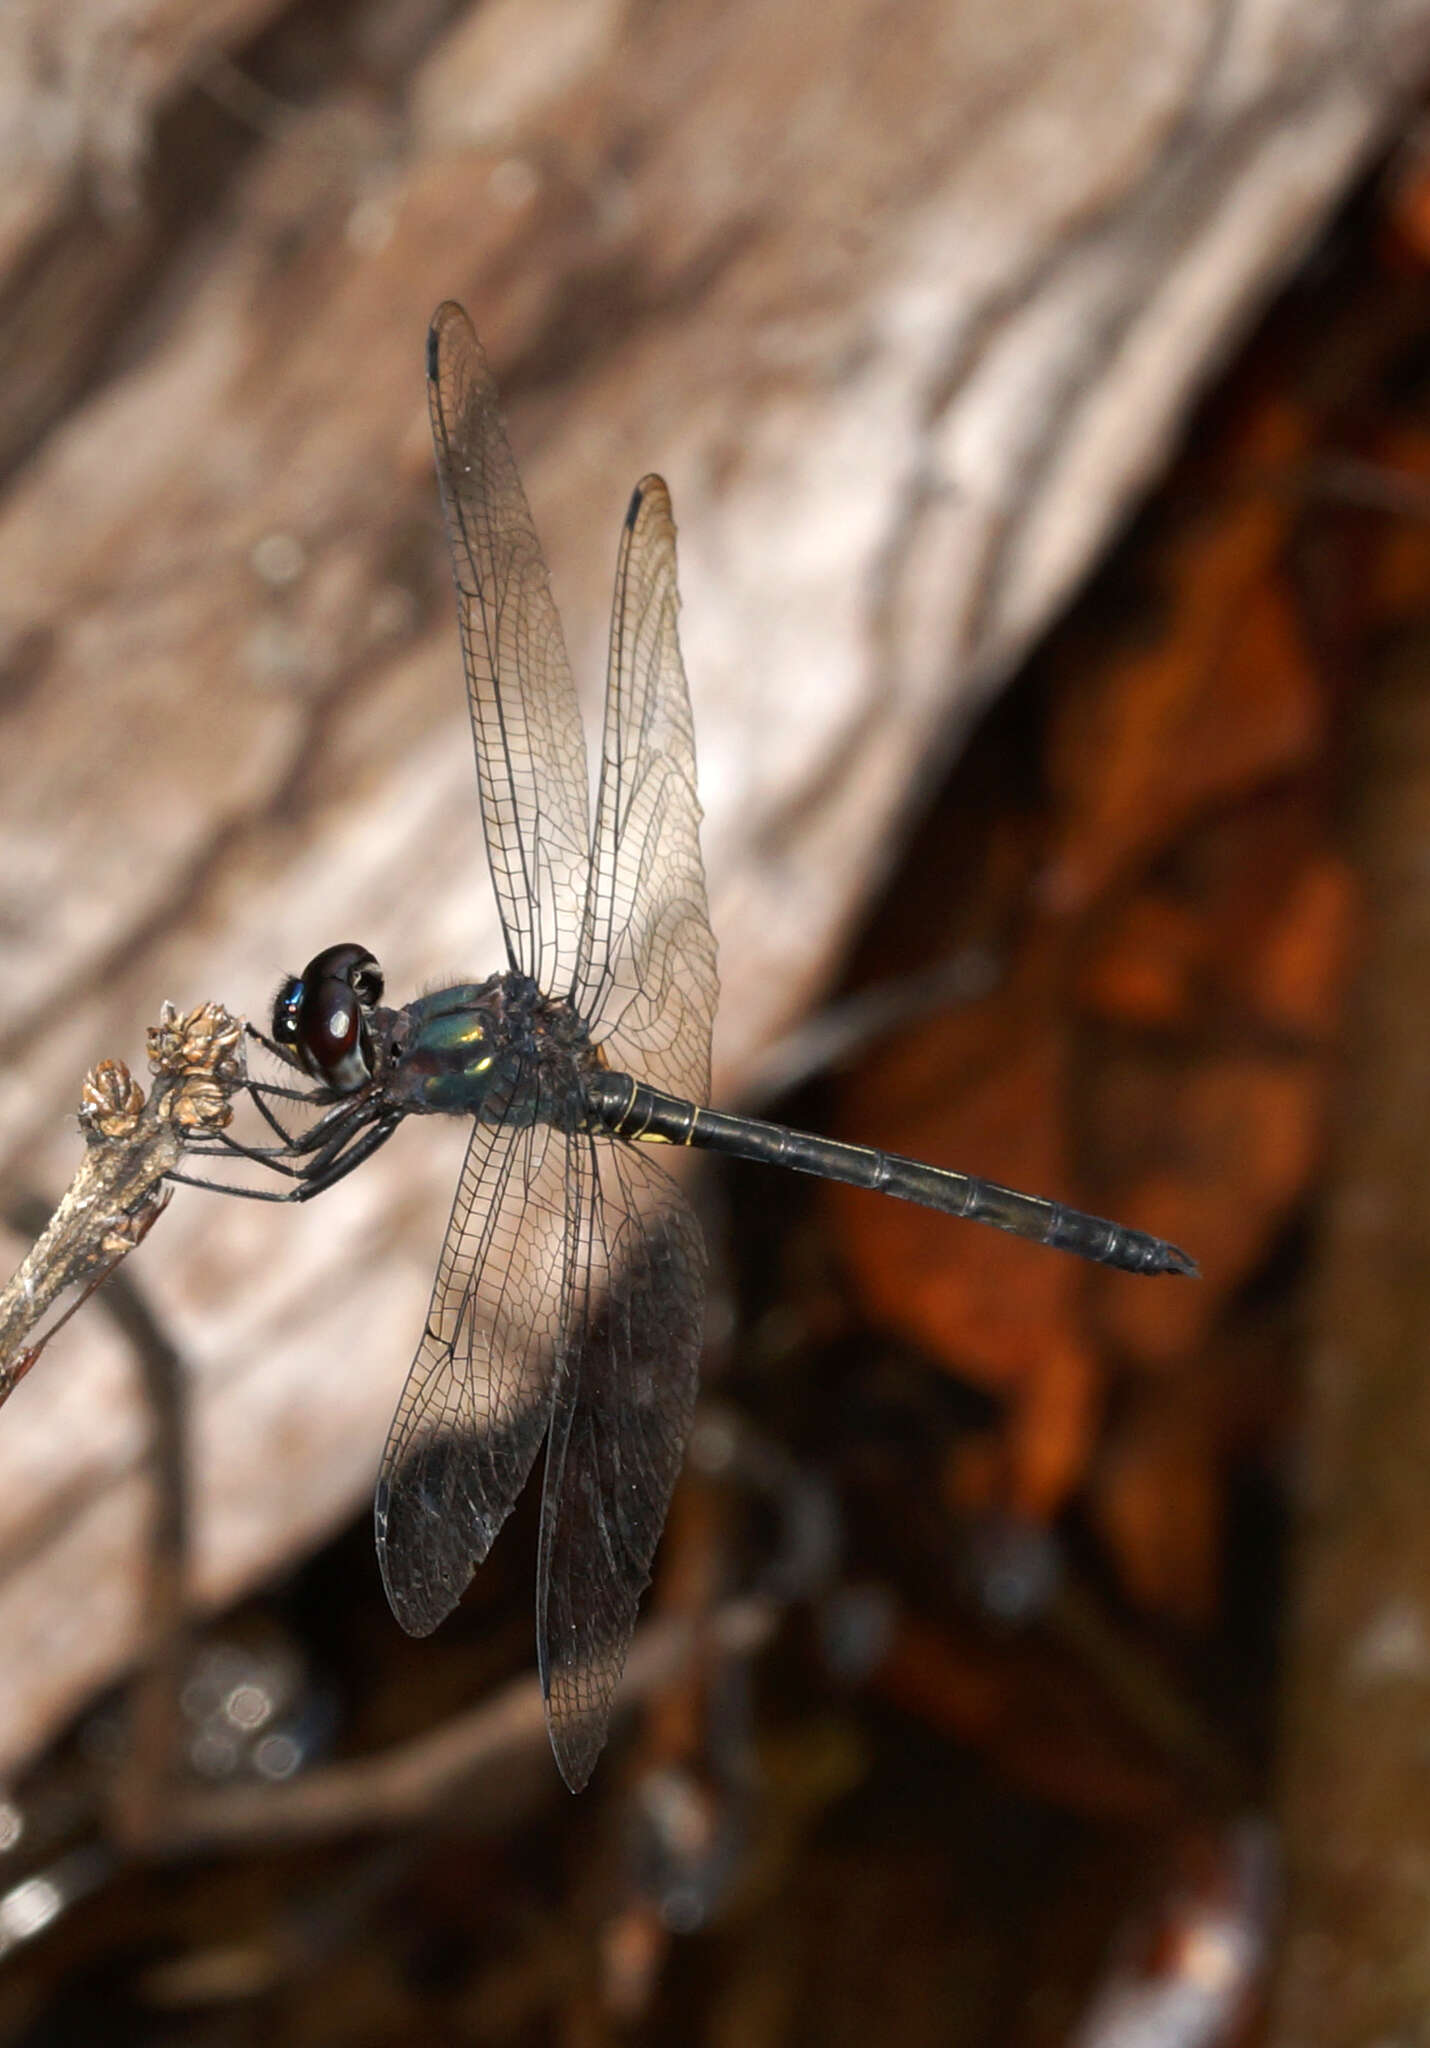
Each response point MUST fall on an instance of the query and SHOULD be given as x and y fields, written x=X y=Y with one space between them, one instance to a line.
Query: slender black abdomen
x=629 y=1110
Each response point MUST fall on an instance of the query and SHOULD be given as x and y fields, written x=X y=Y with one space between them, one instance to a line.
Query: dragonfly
x=568 y=1299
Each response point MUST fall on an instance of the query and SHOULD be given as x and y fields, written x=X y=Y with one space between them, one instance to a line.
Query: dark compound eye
x=367 y=982
x=321 y=1016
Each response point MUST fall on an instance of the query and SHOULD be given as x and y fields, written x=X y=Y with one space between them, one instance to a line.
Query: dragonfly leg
x=256 y=1093
x=282 y=1094
x=269 y=1156
x=348 y=1149
x=335 y=1129
x=268 y=1044
x=259 y=1091
x=223 y=1187
x=336 y=1124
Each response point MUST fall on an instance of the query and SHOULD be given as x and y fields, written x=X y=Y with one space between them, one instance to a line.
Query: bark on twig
x=118 y=1192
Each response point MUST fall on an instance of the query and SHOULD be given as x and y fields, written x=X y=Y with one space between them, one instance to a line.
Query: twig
x=118 y=1195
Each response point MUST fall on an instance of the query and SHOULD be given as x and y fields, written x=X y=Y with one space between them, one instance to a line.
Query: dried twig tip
x=203 y=1053
x=110 y=1102
x=201 y=1104
x=207 y=1041
x=118 y=1192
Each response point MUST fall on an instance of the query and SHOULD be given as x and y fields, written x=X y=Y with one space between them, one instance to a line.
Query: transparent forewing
x=619 y=1429
x=478 y=1397
x=647 y=978
x=531 y=749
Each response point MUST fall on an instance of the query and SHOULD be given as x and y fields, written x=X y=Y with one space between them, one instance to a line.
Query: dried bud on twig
x=207 y=1041
x=110 y=1102
x=118 y=1195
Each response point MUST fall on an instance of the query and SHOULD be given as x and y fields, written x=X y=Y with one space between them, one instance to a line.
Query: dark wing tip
x=418 y=1605
x=448 y=314
x=577 y=1740
x=649 y=487
x=578 y=1713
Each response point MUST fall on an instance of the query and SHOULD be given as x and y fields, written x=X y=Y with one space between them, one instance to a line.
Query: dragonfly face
x=322 y=1018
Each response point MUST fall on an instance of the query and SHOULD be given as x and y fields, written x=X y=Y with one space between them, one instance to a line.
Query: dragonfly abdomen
x=628 y=1109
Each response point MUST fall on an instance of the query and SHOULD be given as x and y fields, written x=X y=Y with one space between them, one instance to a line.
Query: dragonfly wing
x=531 y=747
x=620 y=1424
x=647 y=980
x=478 y=1397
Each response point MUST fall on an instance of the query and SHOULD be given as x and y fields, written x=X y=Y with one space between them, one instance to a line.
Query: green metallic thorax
x=496 y=1050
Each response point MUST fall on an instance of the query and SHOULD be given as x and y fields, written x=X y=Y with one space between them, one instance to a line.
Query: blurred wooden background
x=907 y=303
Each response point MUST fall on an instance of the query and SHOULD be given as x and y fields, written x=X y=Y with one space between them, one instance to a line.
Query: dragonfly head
x=322 y=1018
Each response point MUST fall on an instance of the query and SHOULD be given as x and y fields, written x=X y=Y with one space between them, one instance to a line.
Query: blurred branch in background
x=474 y=1756
x=1355 y=1791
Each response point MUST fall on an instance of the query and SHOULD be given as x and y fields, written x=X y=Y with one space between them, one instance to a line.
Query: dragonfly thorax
x=498 y=1050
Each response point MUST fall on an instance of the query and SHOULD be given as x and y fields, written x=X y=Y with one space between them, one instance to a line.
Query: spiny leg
x=315 y=1176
